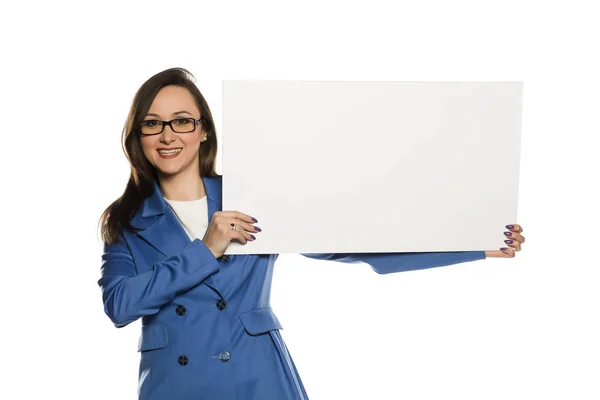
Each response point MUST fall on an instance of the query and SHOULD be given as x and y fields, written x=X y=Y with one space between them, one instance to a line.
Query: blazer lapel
x=163 y=231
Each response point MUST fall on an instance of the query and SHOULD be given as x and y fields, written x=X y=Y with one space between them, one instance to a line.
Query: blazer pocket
x=260 y=320
x=154 y=336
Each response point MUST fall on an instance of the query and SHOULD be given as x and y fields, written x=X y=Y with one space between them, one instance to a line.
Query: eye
x=150 y=122
x=182 y=121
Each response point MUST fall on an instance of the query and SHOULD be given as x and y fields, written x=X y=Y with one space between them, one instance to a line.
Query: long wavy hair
x=117 y=217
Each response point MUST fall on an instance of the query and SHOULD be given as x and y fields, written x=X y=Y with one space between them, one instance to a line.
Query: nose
x=167 y=134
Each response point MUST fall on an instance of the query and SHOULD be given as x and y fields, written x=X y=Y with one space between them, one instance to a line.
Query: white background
x=521 y=328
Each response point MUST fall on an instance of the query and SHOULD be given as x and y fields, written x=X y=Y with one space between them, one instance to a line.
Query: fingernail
x=508 y=241
x=508 y=233
x=254 y=219
x=503 y=248
x=258 y=229
x=510 y=226
x=252 y=236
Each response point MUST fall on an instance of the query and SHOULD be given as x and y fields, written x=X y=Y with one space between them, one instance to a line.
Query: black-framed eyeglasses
x=178 y=125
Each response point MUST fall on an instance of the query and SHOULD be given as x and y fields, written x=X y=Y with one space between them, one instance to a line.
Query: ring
x=233 y=227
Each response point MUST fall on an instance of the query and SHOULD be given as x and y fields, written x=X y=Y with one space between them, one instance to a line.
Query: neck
x=184 y=186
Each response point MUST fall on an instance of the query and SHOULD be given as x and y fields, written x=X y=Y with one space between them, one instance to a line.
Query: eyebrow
x=175 y=113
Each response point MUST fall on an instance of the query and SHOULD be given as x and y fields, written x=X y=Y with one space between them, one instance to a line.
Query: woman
x=208 y=331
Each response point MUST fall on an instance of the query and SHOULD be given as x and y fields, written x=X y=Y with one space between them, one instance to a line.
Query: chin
x=167 y=171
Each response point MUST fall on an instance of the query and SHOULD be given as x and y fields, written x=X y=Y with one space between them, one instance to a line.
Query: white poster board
x=362 y=167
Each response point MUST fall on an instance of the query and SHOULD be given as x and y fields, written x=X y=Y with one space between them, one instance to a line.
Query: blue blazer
x=208 y=330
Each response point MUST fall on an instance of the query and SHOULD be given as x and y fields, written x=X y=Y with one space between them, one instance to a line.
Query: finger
x=514 y=244
x=508 y=251
x=242 y=236
x=515 y=228
x=241 y=225
x=237 y=236
x=239 y=215
x=514 y=236
x=496 y=254
x=246 y=226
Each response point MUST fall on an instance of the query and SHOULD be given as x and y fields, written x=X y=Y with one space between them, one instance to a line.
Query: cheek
x=192 y=145
x=147 y=149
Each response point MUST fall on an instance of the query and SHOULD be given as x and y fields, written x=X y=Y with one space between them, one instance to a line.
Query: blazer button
x=180 y=310
x=224 y=258
x=224 y=356
x=221 y=304
x=183 y=360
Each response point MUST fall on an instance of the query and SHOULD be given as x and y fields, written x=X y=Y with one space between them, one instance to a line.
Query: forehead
x=173 y=98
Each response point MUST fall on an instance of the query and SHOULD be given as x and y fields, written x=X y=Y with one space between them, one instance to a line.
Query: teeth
x=169 y=152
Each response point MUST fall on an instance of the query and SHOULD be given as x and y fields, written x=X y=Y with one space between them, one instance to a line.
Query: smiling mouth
x=169 y=152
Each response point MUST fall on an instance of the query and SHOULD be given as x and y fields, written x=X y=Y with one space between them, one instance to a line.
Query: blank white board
x=372 y=166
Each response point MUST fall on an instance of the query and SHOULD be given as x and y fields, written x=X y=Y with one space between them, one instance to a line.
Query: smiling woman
x=208 y=329
x=173 y=135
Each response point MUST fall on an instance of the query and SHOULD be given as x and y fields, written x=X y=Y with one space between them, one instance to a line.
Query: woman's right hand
x=220 y=233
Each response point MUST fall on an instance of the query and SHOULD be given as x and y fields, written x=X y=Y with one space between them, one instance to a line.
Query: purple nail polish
x=503 y=248
x=508 y=241
x=508 y=233
x=510 y=226
x=258 y=229
x=252 y=236
x=254 y=219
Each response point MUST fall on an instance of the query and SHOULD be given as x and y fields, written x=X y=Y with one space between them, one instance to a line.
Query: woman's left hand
x=513 y=238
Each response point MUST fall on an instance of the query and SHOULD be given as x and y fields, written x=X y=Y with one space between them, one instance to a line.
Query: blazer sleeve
x=128 y=295
x=386 y=263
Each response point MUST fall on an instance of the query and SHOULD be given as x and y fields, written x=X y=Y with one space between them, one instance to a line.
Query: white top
x=192 y=214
